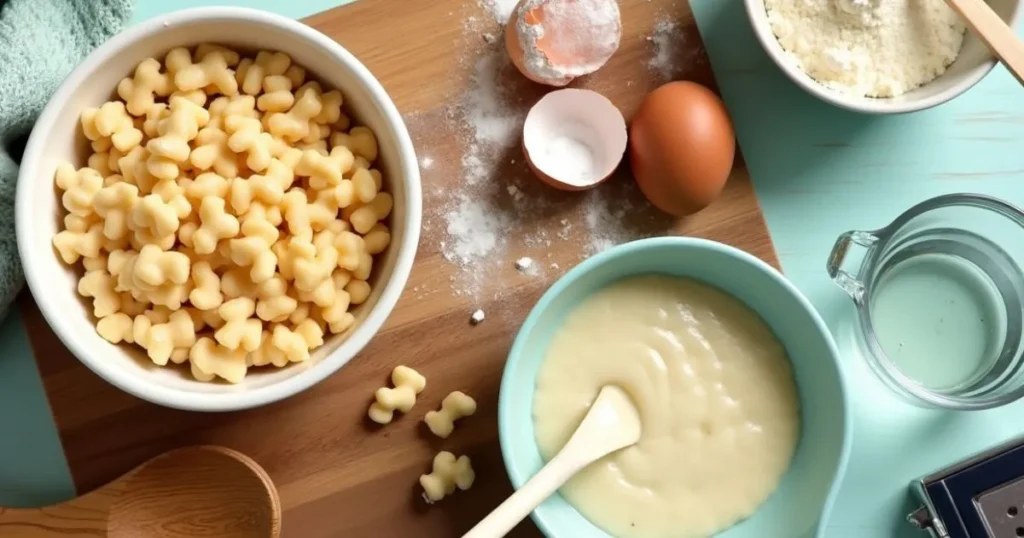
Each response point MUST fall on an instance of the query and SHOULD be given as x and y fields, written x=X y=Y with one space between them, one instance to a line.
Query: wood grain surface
x=192 y=492
x=339 y=475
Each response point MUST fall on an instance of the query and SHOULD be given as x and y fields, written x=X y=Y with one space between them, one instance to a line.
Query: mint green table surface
x=818 y=171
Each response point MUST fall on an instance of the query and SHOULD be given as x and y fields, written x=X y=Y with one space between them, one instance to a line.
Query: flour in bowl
x=873 y=48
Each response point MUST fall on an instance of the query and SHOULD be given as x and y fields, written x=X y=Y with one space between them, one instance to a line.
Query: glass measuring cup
x=940 y=300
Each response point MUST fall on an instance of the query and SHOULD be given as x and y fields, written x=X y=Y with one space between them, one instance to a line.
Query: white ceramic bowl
x=973 y=63
x=57 y=138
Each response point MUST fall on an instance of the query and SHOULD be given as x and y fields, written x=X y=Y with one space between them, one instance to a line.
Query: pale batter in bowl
x=716 y=397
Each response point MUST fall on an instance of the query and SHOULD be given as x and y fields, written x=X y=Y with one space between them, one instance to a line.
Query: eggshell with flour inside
x=554 y=41
x=574 y=139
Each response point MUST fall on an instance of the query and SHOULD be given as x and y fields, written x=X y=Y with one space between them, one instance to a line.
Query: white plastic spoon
x=613 y=423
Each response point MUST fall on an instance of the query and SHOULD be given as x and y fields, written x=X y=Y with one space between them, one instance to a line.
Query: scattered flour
x=487 y=108
x=478 y=317
x=485 y=126
x=515 y=193
x=473 y=231
x=501 y=10
x=874 y=48
x=473 y=167
x=604 y=222
x=476 y=226
x=669 y=49
x=566 y=229
x=488 y=116
x=539 y=239
x=486 y=215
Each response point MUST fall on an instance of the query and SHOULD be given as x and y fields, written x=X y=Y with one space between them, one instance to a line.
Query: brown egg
x=681 y=147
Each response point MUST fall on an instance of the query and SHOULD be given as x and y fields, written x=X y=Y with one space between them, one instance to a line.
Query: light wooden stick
x=994 y=32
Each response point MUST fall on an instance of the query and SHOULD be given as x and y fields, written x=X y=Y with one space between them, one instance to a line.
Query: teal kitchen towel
x=41 y=41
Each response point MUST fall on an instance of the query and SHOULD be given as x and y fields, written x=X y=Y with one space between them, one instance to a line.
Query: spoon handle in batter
x=611 y=424
x=517 y=507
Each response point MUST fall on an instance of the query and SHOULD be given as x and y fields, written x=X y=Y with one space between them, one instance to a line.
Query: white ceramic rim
x=354 y=342
x=770 y=44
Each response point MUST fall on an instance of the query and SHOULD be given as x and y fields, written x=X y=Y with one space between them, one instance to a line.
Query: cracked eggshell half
x=574 y=139
x=554 y=41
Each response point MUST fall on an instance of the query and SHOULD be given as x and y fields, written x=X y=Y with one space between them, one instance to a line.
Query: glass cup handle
x=844 y=279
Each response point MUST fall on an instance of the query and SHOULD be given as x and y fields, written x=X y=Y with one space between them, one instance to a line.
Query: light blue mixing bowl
x=799 y=508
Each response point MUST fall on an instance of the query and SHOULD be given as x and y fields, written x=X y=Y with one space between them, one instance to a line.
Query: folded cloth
x=41 y=41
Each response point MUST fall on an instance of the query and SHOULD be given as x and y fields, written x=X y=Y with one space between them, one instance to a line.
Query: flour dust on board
x=496 y=212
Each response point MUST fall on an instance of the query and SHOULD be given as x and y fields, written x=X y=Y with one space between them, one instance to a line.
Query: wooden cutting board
x=338 y=475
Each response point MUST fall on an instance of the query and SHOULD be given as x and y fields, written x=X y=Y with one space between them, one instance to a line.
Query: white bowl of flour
x=875 y=56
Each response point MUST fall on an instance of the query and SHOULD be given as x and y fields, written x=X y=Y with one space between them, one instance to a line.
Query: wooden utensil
x=613 y=423
x=994 y=32
x=204 y=491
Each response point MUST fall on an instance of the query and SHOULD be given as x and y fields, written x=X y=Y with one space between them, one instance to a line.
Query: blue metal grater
x=980 y=497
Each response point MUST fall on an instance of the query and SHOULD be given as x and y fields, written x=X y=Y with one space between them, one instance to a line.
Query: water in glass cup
x=939 y=299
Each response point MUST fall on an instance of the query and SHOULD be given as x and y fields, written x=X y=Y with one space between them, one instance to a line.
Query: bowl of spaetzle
x=218 y=209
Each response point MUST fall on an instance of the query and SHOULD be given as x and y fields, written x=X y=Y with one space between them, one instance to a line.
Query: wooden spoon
x=612 y=423
x=999 y=37
x=204 y=491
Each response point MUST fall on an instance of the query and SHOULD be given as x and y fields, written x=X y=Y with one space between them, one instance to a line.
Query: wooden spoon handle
x=994 y=32
x=85 y=516
x=70 y=520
